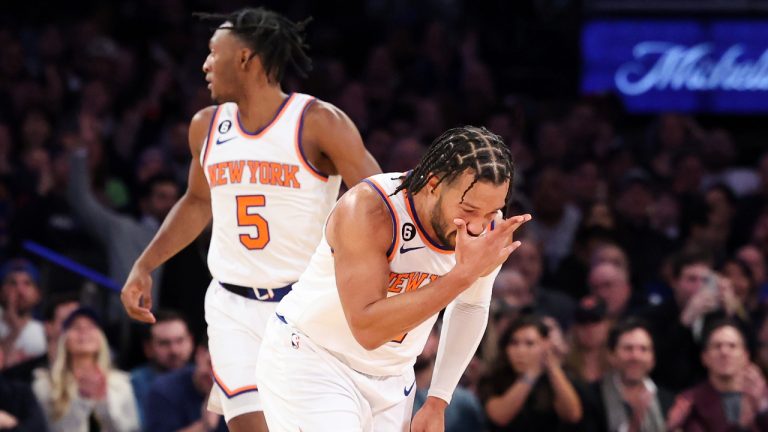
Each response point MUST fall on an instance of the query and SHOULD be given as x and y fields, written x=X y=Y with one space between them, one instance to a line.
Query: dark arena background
x=639 y=131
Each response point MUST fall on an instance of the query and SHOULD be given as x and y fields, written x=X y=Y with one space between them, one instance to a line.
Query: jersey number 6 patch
x=246 y=219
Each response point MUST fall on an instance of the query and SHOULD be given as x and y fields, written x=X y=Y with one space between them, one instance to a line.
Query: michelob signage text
x=694 y=66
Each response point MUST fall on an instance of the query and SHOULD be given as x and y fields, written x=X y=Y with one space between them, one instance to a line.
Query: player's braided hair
x=459 y=149
x=277 y=41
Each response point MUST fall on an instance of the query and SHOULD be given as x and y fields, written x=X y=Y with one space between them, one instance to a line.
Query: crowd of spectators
x=637 y=301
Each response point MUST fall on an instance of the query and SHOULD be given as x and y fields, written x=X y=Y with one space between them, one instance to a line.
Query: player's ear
x=244 y=56
x=432 y=183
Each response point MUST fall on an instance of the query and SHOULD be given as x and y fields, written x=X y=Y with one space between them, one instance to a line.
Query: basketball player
x=266 y=167
x=339 y=352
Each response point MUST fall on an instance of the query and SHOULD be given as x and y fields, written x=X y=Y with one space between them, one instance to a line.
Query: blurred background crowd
x=637 y=301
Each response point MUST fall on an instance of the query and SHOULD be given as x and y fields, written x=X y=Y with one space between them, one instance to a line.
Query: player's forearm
x=183 y=224
x=388 y=318
x=463 y=328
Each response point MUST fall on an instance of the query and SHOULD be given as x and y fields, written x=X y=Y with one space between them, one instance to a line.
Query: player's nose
x=475 y=228
x=206 y=66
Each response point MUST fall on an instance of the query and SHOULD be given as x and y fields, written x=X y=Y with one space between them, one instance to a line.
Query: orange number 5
x=245 y=202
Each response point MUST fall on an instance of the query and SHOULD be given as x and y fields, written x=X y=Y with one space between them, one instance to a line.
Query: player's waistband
x=375 y=373
x=260 y=294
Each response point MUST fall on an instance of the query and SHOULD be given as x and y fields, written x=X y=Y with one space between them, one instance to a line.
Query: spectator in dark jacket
x=734 y=397
x=528 y=390
x=19 y=410
x=178 y=400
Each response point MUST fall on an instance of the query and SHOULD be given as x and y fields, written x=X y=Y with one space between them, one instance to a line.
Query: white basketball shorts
x=306 y=388
x=235 y=332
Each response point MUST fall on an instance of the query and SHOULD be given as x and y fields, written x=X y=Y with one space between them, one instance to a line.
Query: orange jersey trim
x=258 y=134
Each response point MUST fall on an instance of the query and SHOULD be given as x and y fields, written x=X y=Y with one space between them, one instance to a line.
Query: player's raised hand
x=137 y=296
x=480 y=255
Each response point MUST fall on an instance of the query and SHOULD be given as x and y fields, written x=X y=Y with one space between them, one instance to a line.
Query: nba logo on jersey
x=225 y=126
x=295 y=341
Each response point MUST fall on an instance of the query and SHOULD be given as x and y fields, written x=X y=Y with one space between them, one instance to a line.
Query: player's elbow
x=366 y=341
x=195 y=199
x=364 y=333
x=369 y=344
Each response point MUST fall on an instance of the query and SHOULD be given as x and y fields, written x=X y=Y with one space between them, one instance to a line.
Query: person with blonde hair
x=81 y=391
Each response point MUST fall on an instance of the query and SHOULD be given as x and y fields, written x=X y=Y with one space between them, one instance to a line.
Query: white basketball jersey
x=314 y=306
x=269 y=204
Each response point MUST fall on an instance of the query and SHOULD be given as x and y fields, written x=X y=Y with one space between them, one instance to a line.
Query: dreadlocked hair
x=460 y=149
x=278 y=41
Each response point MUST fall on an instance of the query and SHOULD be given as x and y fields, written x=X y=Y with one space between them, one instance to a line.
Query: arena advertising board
x=682 y=65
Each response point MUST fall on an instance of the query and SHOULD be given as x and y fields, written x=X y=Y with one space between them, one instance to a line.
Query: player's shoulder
x=360 y=222
x=198 y=127
x=326 y=114
x=204 y=116
x=363 y=206
x=364 y=199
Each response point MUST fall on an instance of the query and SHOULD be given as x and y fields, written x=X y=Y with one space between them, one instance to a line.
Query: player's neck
x=259 y=106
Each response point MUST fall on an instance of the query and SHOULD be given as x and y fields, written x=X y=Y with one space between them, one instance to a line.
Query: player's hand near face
x=478 y=256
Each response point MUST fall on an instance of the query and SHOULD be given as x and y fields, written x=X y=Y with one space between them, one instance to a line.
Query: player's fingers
x=142 y=314
x=461 y=231
x=129 y=297
x=506 y=229
x=131 y=301
x=146 y=307
x=148 y=317
x=501 y=232
x=508 y=226
x=519 y=221
x=146 y=301
x=507 y=250
x=132 y=312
